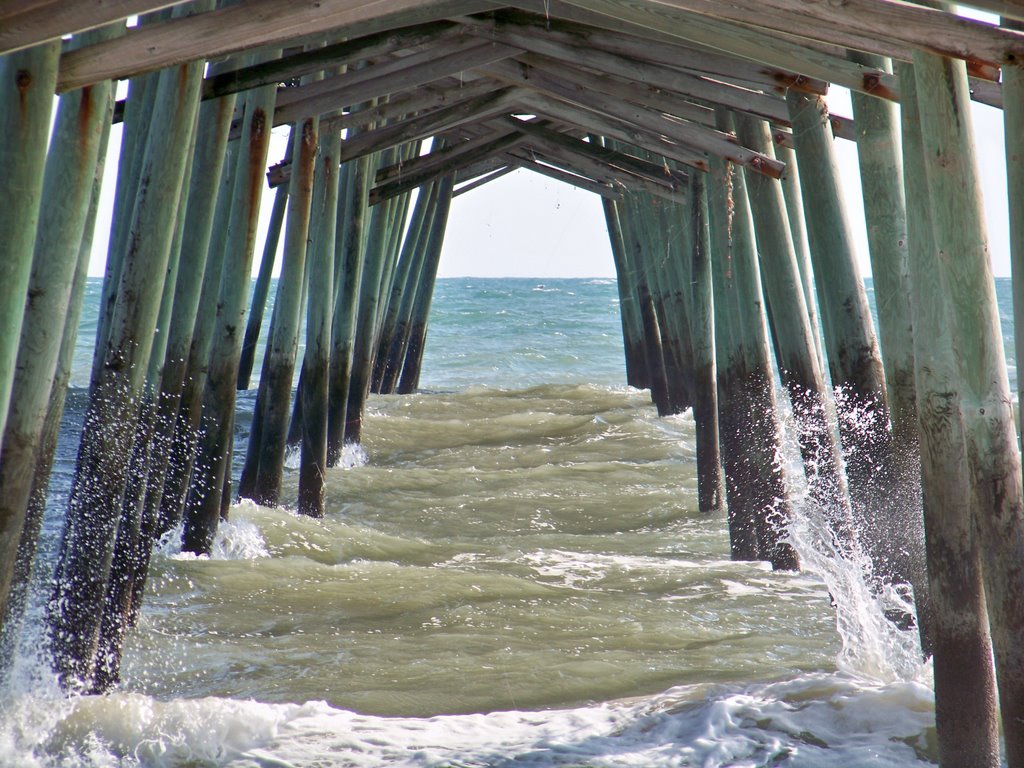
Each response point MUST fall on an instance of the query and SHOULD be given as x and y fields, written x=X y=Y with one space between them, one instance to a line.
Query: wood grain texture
x=251 y=24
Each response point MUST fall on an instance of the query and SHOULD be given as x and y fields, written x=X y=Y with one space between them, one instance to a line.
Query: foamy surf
x=819 y=720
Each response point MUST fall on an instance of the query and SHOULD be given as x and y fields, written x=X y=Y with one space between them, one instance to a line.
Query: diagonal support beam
x=296 y=65
x=427 y=125
x=637 y=70
x=688 y=135
x=382 y=79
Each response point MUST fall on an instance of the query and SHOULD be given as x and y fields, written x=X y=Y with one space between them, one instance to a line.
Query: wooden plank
x=637 y=167
x=653 y=75
x=736 y=40
x=802 y=30
x=407 y=176
x=250 y=24
x=318 y=59
x=441 y=93
x=485 y=178
x=912 y=25
x=399 y=74
x=423 y=126
x=581 y=92
x=668 y=53
x=24 y=23
x=280 y=172
x=604 y=190
x=577 y=166
x=699 y=119
x=451 y=152
x=593 y=122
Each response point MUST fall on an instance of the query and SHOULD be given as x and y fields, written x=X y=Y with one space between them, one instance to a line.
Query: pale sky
x=527 y=225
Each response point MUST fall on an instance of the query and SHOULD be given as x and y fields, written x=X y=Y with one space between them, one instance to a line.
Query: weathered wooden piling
x=965 y=695
x=262 y=287
x=798 y=232
x=411 y=365
x=197 y=228
x=264 y=464
x=210 y=470
x=962 y=261
x=1013 y=124
x=80 y=132
x=394 y=330
x=375 y=259
x=111 y=419
x=884 y=525
x=881 y=172
x=658 y=249
x=795 y=350
x=351 y=257
x=189 y=414
x=27 y=78
x=629 y=313
x=749 y=432
x=313 y=461
x=710 y=486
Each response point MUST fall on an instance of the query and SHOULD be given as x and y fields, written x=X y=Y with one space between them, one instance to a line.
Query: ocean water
x=512 y=572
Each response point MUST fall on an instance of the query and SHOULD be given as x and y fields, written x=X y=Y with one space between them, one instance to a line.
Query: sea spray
x=868 y=611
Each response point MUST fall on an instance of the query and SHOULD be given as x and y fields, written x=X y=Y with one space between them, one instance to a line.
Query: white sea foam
x=816 y=720
x=237 y=539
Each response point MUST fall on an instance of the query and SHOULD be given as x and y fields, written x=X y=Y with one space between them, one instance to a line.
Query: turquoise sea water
x=512 y=572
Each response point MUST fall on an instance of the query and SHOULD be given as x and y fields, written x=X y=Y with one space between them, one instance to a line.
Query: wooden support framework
x=499 y=87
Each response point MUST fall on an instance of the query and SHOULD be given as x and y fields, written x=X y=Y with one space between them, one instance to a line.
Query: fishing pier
x=704 y=128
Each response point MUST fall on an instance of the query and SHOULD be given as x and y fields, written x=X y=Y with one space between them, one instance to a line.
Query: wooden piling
x=881 y=172
x=965 y=696
x=710 y=488
x=211 y=467
x=189 y=414
x=27 y=79
x=413 y=361
x=208 y=166
x=884 y=523
x=262 y=287
x=1013 y=124
x=264 y=466
x=749 y=432
x=352 y=248
x=313 y=461
x=795 y=351
x=798 y=232
x=402 y=294
x=111 y=419
x=80 y=131
x=628 y=311
x=364 y=339
x=961 y=247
